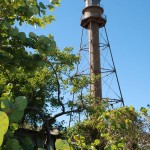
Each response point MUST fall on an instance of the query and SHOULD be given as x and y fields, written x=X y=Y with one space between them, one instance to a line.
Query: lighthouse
x=93 y=20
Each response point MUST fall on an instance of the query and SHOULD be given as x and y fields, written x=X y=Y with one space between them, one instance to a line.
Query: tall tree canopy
x=32 y=85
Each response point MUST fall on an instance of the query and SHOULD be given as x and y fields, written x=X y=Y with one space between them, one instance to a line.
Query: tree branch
x=63 y=113
x=58 y=86
x=57 y=115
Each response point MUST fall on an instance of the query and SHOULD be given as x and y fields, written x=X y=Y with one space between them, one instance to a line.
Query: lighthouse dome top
x=92 y=2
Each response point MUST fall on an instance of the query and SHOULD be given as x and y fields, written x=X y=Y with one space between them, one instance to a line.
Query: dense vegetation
x=30 y=82
x=122 y=128
x=36 y=88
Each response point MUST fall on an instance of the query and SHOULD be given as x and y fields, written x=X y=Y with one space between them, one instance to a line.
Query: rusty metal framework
x=100 y=58
x=111 y=89
x=96 y=59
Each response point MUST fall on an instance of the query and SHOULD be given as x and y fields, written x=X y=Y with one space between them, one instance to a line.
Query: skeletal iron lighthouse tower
x=97 y=52
x=92 y=21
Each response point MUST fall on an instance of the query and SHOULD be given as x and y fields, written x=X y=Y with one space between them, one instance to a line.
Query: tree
x=121 y=128
x=32 y=85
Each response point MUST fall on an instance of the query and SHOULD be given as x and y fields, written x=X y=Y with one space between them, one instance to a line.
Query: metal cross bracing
x=111 y=89
x=96 y=59
x=110 y=84
x=96 y=51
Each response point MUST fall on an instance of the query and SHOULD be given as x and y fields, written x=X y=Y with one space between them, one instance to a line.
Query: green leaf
x=120 y=145
x=13 y=144
x=28 y=2
x=14 y=31
x=1 y=139
x=42 y=5
x=131 y=108
x=9 y=134
x=144 y=111
x=34 y=10
x=51 y=8
x=42 y=24
x=14 y=126
x=21 y=102
x=22 y=36
x=32 y=35
x=97 y=142
x=27 y=143
x=48 y=19
x=113 y=147
x=4 y=122
x=62 y=145
x=16 y=116
x=76 y=137
x=55 y=2
x=6 y=106
x=128 y=121
x=7 y=25
x=41 y=38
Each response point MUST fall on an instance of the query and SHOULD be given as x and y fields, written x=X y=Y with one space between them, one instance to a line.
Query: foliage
x=3 y=125
x=36 y=88
x=33 y=85
x=62 y=145
x=14 y=110
x=121 y=128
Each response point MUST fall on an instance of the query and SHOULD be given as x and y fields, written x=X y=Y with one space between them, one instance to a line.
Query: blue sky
x=128 y=27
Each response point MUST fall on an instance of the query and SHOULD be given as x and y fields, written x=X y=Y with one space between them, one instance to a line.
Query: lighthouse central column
x=95 y=68
x=93 y=20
